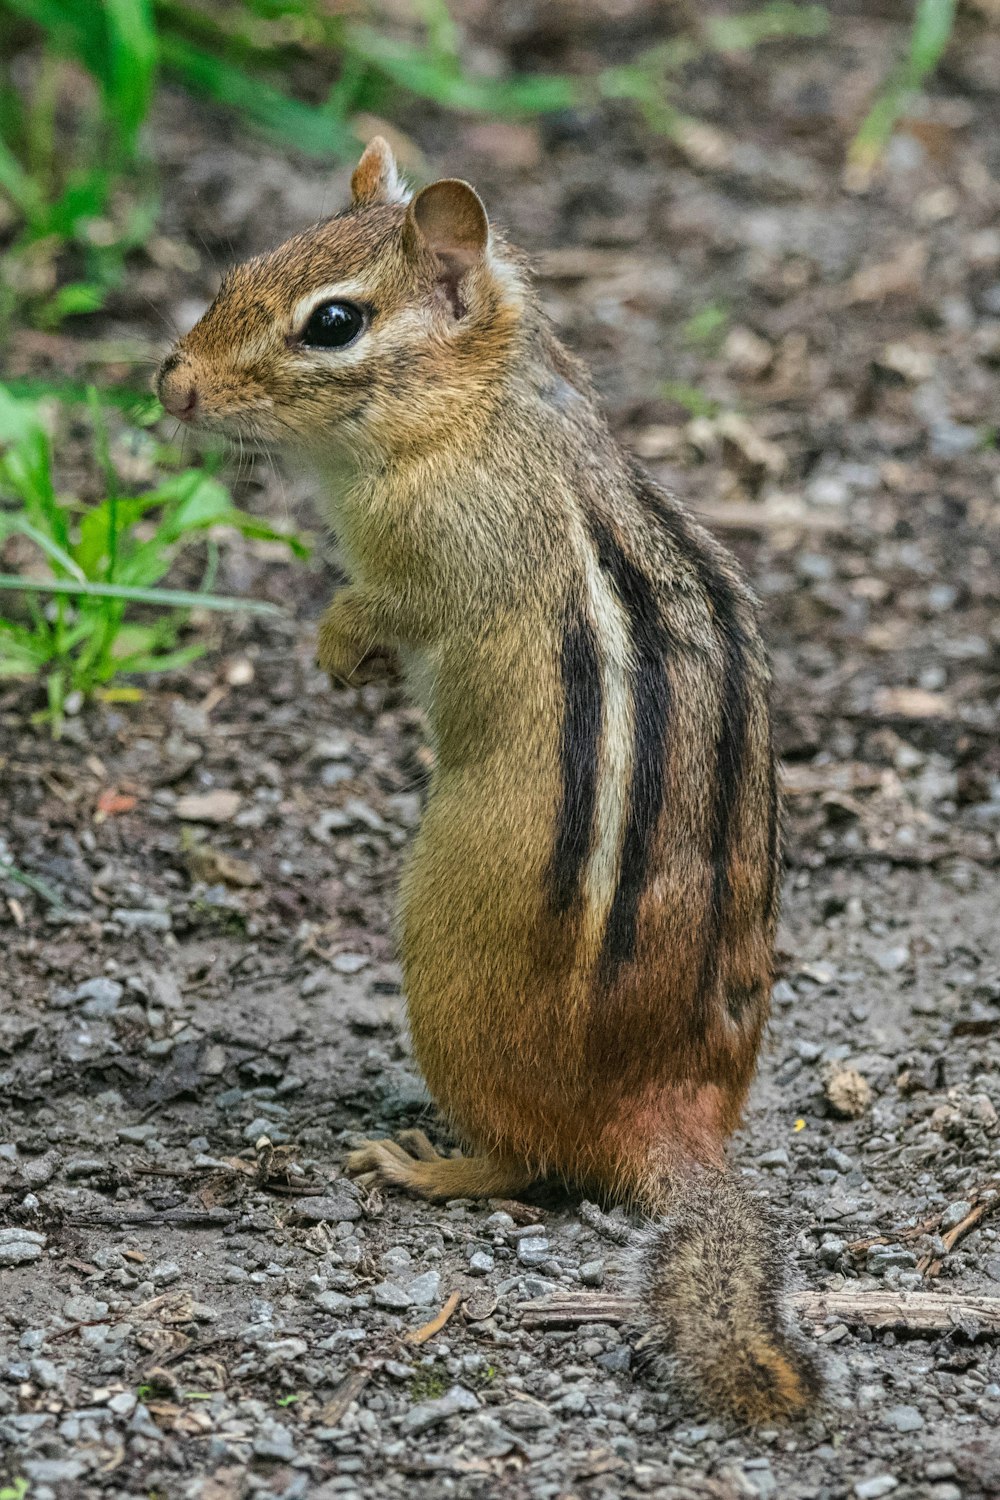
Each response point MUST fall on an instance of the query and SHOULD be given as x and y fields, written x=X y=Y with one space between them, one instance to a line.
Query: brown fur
x=588 y=912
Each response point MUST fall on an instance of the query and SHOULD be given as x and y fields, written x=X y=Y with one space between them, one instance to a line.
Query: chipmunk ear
x=376 y=177
x=449 y=220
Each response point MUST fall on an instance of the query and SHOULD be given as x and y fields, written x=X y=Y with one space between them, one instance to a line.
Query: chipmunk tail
x=713 y=1285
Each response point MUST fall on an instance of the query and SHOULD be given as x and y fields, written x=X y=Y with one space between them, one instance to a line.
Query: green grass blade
x=19 y=186
x=932 y=28
x=165 y=598
x=312 y=131
x=428 y=76
x=51 y=548
x=133 y=56
x=40 y=888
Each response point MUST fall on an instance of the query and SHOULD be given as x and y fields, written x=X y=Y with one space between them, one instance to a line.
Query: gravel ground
x=194 y=1302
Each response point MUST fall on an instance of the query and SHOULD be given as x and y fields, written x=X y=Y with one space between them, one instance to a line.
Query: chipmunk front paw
x=345 y=654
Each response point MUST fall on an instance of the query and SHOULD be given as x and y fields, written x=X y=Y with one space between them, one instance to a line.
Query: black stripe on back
x=652 y=702
x=579 y=739
x=730 y=745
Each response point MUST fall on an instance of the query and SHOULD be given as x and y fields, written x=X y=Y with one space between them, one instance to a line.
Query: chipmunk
x=589 y=907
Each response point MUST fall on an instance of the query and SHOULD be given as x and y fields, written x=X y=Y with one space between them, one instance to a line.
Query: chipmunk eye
x=333 y=325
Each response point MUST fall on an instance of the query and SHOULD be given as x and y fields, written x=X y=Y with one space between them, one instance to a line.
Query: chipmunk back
x=588 y=911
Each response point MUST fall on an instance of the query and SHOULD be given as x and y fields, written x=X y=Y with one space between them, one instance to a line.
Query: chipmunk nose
x=176 y=389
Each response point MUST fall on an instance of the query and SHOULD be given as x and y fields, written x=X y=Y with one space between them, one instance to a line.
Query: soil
x=195 y=1302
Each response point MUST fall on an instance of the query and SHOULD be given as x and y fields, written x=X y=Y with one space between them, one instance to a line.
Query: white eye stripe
x=341 y=291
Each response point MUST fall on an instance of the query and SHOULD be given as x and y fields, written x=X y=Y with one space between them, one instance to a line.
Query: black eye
x=333 y=325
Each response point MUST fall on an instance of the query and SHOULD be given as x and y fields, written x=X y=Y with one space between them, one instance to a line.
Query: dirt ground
x=193 y=1301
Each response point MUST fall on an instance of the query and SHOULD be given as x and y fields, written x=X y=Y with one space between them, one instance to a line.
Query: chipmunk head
x=374 y=330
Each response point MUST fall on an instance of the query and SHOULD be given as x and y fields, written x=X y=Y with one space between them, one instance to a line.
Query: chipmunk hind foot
x=410 y=1162
x=713 y=1286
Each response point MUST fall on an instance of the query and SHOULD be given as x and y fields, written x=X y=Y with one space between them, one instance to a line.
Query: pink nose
x=176 y=390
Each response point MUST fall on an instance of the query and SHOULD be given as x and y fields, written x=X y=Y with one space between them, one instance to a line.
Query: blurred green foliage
x=933 y=24
x=79 y=627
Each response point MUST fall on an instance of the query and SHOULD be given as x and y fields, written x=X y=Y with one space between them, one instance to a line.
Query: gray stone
x=142 y=1423
x=889 y=960
x=391 y=1295
x=874 y=1489
x=954 y=1214
x=53 y=1470
x=480 y=1263
x=152 y=921
x=592 y=1273
x=524 y=1416
x=83 y=1309
x=137 y=1135
x=164 y=1273
x=533 y=1251
x=16 y=1233
x=425 y=1290
x=904 y=1419
x=432 y=1413
x=274 y=1444
x=84 y=1166
x=338 y=1207
x=773 y=1159
x=333 y=1302
x=46 y=1374
x=19 y=1252
x=350 y=963
x=881 y=1257
x=101 y=997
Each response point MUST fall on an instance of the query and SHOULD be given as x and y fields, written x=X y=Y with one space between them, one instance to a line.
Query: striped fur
x=651 y=711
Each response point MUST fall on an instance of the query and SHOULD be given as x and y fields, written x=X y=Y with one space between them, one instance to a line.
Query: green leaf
x=94 y=546
x=71 y=300
x=18 y=418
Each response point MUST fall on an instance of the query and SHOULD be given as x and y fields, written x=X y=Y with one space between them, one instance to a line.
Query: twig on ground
x=348 y=1391
x=176 y=1218
x=911 y=1312
x=421 y=1335
x=615 y=1230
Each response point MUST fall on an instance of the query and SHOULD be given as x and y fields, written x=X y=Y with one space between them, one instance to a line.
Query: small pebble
x=432 y=1413
x=391 y=1295
x=873 y=1489
x=904 y=1419
x=592 y=1273
x=532 y=1251
x=164 y=1273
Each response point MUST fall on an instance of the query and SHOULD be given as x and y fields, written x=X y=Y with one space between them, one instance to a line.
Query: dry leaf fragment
x=111 y=802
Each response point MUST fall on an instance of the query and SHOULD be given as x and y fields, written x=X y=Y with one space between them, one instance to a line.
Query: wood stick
x=912 y=1312
x=421 y=1335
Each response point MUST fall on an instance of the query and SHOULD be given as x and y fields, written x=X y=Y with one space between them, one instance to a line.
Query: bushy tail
x=713 y=1289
